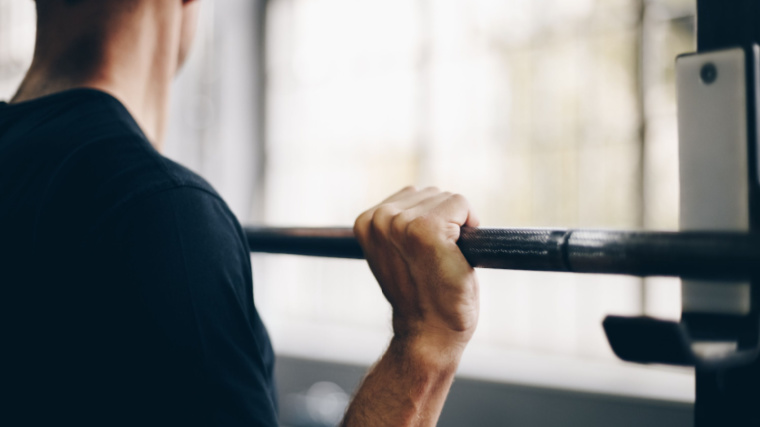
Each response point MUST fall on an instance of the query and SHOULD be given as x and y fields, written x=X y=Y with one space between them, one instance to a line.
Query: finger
x=426 y=204
x=455 y=209
x=435 y=203
x=419 y=217
x=472 y=219
x=389 y=219
x=410 y=189
x=372 y=217
x=425 y=207
x=406 y=199
x=369 y=214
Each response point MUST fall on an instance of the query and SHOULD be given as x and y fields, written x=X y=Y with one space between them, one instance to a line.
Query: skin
x=410 y=243
x=132 y=49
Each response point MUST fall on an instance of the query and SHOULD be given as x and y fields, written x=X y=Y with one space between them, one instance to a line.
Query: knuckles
x=361 y=226
x=399 y=225
x=382 y=220
x=384 y=213
x=458 y=199
x=407 y=227
x=423 y=231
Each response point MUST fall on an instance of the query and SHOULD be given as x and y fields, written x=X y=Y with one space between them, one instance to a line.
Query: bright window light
x=543 y=113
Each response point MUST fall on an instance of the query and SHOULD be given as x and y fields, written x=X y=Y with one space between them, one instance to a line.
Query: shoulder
x=99 y=138
x=124 y=168
x=98 y=168
x=125 y=180
x=97 y=155
x=184 y=221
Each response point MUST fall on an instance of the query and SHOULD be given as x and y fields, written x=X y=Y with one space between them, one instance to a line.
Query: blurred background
x=544 y=113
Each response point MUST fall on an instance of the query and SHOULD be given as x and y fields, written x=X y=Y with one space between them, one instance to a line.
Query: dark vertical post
x=727 y=23
x=728 y=393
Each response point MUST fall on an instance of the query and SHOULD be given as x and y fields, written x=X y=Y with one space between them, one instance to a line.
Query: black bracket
x=648 y=340
x=727 y=386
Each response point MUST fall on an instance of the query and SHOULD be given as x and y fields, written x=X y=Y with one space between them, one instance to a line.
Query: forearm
x=407 y=387
x=410 y=243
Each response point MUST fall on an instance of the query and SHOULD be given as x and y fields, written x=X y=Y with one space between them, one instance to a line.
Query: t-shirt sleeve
x=185 y=255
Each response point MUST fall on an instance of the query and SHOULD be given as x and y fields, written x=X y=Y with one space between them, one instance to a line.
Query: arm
x=204 y=352
x=410 y=244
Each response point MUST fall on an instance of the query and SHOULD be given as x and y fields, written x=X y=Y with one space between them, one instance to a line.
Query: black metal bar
x=706 y=255
x=321 y=242
x=727 y=395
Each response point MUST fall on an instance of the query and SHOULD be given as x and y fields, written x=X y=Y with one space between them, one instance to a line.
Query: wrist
x=409 y=384
x=431 y=334
x=430 y=352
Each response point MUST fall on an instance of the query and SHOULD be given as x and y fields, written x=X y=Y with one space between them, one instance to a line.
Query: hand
x=410 y=243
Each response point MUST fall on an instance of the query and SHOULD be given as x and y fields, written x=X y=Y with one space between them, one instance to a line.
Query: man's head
x=84 y=24
x=131 y=49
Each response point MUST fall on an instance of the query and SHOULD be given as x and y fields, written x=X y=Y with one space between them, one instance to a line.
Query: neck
x=132 y=57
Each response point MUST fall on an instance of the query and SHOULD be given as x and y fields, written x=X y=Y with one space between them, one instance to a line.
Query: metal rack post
x=728 y=390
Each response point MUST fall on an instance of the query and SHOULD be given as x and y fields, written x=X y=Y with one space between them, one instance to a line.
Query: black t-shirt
x=125 y=281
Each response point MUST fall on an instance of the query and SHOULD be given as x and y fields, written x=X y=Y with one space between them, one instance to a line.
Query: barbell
x=689 y=254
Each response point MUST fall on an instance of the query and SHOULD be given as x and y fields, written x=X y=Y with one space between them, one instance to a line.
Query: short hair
x=43 y=4
x=65 y=1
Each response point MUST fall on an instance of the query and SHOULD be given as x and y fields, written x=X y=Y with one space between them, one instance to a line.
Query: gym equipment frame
x=716 y=253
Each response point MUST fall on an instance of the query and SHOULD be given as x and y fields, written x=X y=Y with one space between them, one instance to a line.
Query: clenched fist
x=410 y=243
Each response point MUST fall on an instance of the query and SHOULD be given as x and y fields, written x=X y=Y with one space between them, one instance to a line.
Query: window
x=17 y=31
x=543 y=113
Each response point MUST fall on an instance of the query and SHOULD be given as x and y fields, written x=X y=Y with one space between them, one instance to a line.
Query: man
x=126 y=283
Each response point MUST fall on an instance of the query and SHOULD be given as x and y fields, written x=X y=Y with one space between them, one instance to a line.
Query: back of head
x=47 y=9
x=73 y=21
x=120 y=46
